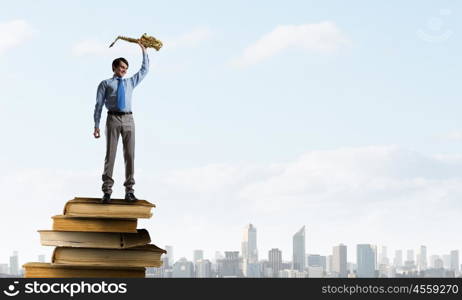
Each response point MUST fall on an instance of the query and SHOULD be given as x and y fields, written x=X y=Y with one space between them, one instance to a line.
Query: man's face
x=121 y=69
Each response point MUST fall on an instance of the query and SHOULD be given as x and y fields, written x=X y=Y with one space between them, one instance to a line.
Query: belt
x=119 y=113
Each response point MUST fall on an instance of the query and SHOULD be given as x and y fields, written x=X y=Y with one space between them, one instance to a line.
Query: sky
x=340 y=116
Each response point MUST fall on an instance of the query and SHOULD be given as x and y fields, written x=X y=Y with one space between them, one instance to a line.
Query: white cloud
x=14 y=33
x=377 y=194
x=324 y=37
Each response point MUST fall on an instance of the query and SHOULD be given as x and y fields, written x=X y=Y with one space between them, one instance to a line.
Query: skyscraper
x=365 y=258
x=329 y=263
x=439 y=264
x=249 y=244
x=203 y=268
x=250 y=266
x=339 y=261
x=298 y=248
x=316 y=260
x=433 y=259
x=383 y=260
x=398 y=260
x=169 y=256
x=197 y=255
x=410 y=255
x=454 y=261
x=422 y=262
x=229 y=266
x=447 y=261
x=374 y=248
x=4 y=270
x=275 y=260
x=183 y=269
x=14 y=264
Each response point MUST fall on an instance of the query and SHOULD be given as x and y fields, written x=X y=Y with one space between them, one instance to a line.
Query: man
x=116 y=94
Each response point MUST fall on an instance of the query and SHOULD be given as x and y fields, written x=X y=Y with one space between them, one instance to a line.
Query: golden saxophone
x=146 y=40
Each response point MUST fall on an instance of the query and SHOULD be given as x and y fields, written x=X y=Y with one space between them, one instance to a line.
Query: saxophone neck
x=128 y=39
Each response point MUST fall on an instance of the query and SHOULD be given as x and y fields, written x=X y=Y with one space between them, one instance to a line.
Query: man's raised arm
x=136 y=79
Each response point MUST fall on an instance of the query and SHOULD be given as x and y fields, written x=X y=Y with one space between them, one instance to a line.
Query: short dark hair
x=116 y=62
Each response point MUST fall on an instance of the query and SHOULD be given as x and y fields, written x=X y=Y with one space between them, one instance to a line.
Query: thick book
x=66 y=223
x=117 y=208
x=47 y=270
x=110 y=240
x=142 y=256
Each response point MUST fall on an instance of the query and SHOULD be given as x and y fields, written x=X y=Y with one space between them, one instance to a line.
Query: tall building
x=275 y=261
x=329 y=263
x=398 y=260
x=166 y=265
x=169 y=256
x=14 y=264
x=376 y=254
x=439 y=264
x=410 y=255
x=352 y=268
x=218 y=256
x=4 y=270
x=365 y=258
x=422 y=261
x=183 y=269
x=383 y=257
x=250 y=267
x=298 y=248
x=454 y=265
x=197 y=255
x=339 y=261
x=447 y=261
x=249 y=244
x=316 y=260
x=252 y=270
x=229 y=266
x=266 y=269
x=203 y=268
x=432 y=260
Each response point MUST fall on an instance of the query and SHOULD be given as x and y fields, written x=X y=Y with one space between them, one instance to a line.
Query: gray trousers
x=116 y=126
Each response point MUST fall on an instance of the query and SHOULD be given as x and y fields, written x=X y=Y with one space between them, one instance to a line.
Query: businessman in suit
x=116 y=94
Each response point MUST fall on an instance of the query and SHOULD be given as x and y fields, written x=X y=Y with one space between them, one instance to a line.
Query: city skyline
x=370 y=261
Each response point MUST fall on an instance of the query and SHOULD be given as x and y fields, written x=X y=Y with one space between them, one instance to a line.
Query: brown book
x=110 y=240
x=65 y=223
x=142 y=256
x=47 y=270
x=118 y=208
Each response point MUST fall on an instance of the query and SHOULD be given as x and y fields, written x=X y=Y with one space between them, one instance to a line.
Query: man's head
x=120 y=66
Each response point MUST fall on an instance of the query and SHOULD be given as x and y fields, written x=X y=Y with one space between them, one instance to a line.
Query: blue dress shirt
x=107 y=91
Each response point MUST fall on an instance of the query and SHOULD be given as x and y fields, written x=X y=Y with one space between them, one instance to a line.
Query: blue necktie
x=120 y=94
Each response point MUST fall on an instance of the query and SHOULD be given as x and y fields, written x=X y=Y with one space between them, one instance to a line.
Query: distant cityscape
x=371 y=261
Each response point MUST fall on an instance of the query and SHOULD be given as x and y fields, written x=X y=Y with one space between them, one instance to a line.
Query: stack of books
x=98 y=240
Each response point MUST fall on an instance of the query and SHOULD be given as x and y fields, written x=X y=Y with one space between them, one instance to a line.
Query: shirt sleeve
x=136 y=79
x=100 y=98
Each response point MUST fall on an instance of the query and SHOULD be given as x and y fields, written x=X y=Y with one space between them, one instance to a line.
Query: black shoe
x=106 y=198
x=130 y=197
